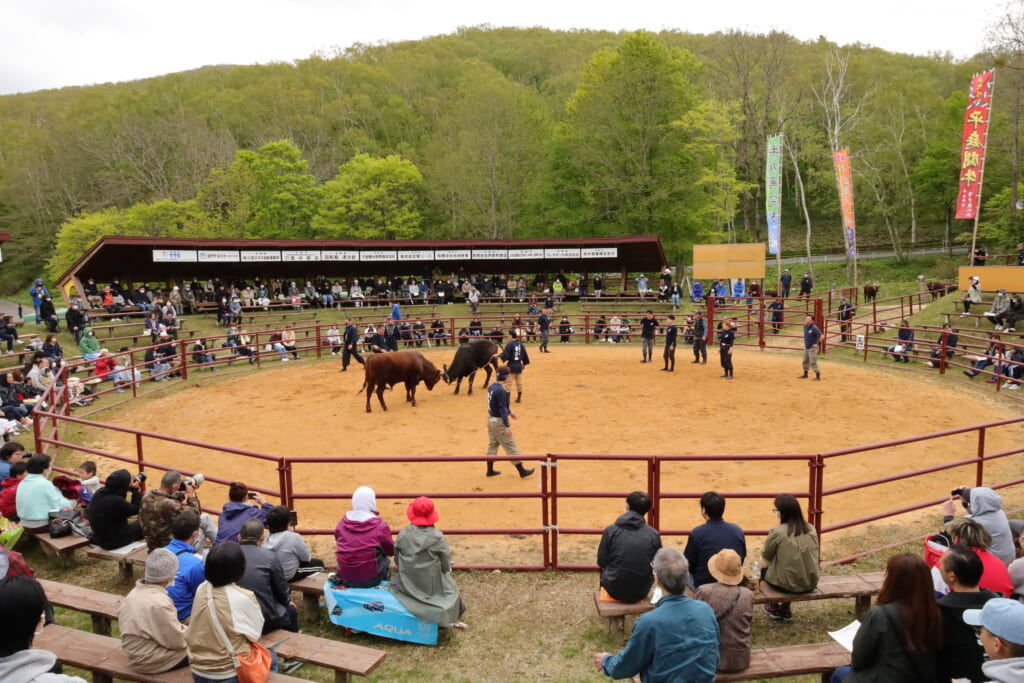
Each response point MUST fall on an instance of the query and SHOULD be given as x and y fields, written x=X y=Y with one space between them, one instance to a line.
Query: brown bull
x=385 y=370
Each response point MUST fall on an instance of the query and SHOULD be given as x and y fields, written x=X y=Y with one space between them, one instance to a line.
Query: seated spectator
x=104 y=364
x=11 y=404
x=160 y=506
x=187 y=540
x=89 y=346
x=8 y=332
x=200 y=355
x=709 y=538
x=949 y=338
x=364 y=543
x=904 y=343
x=288 y=340
x=1002 y=636
x=985 y=507
x=48 y=314
x=86 y=473
x=37 y=496
x=789 y=559
x=167 y=355
x=211 y=658
x=626 y=550
x=40 y=376
x=274 y=342
x=111 y=302
x=297 y=561
x=264 y=577
x=109 y=510
x=423 y=580
x=53 y=350
x=334 y=339
x=995 y=576
x=152 y=638
x=8 y=496
x=734 y=609
x=154 y=325
x=961 y=654
x=10 y=453
x=241 y=507
x=901 y=635
x=661 y=648
x=22 y=605
x=993 y=356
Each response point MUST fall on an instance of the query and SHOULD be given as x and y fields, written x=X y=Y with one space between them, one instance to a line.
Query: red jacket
x=8 y=506
x=994 y=574
x=105 y=365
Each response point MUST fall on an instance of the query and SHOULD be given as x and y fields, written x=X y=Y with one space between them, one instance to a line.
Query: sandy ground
x=594 y=400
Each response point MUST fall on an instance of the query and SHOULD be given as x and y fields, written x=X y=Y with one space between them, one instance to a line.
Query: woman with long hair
x=901 y=635
x=789 y=559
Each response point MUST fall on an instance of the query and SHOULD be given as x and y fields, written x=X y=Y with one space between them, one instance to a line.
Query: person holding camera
x=984 y=506
x=160 y=506
x=240 y=508
x=110 y=508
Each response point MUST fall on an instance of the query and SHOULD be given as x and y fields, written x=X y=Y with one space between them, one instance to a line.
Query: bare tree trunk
x=803 y=204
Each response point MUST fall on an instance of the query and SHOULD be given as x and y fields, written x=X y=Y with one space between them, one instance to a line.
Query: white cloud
x=72 y=42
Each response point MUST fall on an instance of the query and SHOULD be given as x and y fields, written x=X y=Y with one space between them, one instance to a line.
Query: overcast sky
x=55 y=43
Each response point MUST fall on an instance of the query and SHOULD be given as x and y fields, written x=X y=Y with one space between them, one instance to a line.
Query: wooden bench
x=312 y=589
x=125 y=561
x=102 y=656
x=791 y=660
x=345 y=659
x=102 y=607
x=860 y=587
x=62 y=548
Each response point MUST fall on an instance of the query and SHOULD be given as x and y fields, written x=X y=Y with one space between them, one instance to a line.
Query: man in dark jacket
x=961 y=655
x=627 y=550
x=350 y=345
x=787 y=281
x=75 y=321
x=264 y=577
x=700 y=339
x=806 y=284
x=706 y=540
x=109 y=510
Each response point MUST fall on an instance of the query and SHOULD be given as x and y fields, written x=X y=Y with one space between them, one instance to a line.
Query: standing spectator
x=734 y=609
x=786 y=280
x=789 y=559
x=714 y=535
x=37 y=496
x=626 y=551
x=1002 y=636
x=700 y=339
x=22 y=603
x=517 y=358
x=241 y=507
x=189 y=576
x=222 y=606
x=499 y=430
x=971 y=296
x=152 y=638
x=726 y=340
x=564 y=329
x=75 y=320
x=642 y=286
x=37 y=292
x=675 y=293
x=812 y=338
x=845 y=315
x=265 y=578
x=648 y=326
x=109 y=510
x=598 y=287
x=660 y=648
x=901 y=635
x=806 y=284
x=776 y=307
x=1020 y=254
x=364 y=543
x=961 y=655
x=423 y=582
x=669 y=354
x=979 y=257
x=297 y=561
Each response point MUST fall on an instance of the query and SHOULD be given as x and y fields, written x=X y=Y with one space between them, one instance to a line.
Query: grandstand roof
x=160 y=259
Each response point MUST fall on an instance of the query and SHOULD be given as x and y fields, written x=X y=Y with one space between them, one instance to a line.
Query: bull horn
x=445 y=374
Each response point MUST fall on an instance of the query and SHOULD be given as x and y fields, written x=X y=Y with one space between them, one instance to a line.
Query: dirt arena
x=597 y=399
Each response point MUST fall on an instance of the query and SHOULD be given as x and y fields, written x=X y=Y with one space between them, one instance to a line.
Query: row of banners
x=972 y=167
x=374 y=255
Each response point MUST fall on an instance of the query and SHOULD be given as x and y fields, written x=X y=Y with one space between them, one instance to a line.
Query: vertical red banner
x=844 y=178
x=975 y=137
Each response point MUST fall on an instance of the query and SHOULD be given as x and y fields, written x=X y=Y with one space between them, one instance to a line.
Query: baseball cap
x=1002 y=617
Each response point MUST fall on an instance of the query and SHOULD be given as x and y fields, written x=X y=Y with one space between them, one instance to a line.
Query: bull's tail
x=361 y=388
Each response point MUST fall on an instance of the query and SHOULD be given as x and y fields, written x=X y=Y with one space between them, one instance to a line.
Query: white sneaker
x=999 y=328
x=18 y=341
x=285 y=360
x=963 y=315
x=1009 y=329
x=1012 y=387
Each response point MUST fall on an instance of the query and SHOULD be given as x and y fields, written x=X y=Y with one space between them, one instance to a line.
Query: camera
x=958 y=491
x=251 y=495
x=195 y=481
x=140 y=477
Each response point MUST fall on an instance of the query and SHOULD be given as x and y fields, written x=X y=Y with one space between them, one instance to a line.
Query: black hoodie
x=108 y=512
x=625 y=555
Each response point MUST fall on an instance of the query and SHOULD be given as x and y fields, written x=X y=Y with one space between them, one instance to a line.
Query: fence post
x=711 y=316
x=554 y=510
x=258 y=350
x=760 y=322
x=545 y=518
x=586 y=328
x=138 y=450
x=319 y=344
x=980 y=467
x=184 y=359
x=816 y=465
x=654 y=491
x=132 y=370
x=284 y=482
x=942 y=355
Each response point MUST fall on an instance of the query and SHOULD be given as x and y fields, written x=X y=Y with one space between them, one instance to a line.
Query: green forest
x=509 y=133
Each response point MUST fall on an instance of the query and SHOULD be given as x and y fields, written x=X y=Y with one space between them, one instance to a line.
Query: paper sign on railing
x=859 y=342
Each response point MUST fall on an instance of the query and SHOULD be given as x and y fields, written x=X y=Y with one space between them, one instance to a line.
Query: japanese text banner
x=773 y=192
x=972 y=156
x=845 y=180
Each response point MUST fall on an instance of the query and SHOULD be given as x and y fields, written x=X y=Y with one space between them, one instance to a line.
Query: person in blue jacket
x=187 y=536
x=241 y=507
x=659 y=650
x=37 y=292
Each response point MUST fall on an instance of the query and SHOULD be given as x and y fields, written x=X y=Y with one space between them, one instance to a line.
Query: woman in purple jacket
x=364 y=543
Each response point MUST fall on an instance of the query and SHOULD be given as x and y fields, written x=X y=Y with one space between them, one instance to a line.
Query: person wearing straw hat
x=733 y=605
x=423 y=580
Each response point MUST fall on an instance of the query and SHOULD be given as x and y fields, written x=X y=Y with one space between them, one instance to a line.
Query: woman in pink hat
x=423 y=581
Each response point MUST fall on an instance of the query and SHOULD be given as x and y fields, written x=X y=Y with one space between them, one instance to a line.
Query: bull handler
x=498 y=428
x=517 y=358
